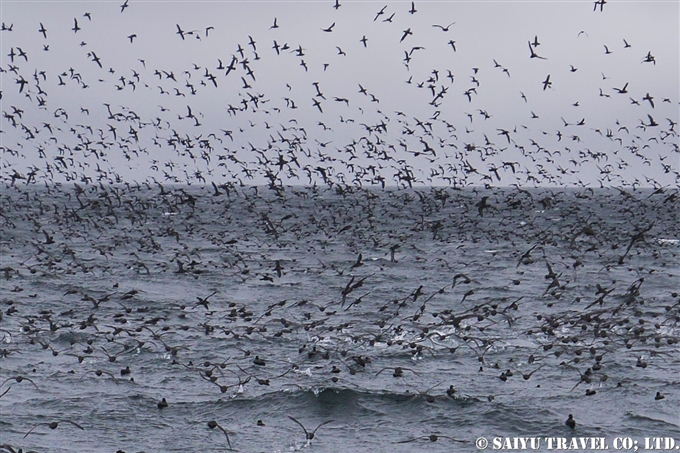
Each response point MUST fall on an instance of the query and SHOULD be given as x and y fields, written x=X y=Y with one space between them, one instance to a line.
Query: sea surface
x=391 y=314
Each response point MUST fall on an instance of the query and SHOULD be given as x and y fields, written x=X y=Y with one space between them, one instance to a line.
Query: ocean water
x=355 y=307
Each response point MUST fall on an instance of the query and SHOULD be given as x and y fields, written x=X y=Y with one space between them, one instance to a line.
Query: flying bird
x=309 y=436
x=649 y=58
x=54 y=425
x=547 y=83
x=180 y=31
x=95 y=58
x=431 y=438
x=380 y=13
x=212 y=424
x=444 y=29
x=623 y=90
x=601 y=3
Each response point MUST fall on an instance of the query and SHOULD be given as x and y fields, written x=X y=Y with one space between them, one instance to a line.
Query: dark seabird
x=54 y=425
x=309 y=436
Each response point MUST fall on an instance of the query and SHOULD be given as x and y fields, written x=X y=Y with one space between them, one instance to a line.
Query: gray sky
x=357 y=136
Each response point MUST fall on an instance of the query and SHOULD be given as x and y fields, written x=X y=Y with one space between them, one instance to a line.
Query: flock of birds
x=346 y=282
x=75 y=225
x=311 y=129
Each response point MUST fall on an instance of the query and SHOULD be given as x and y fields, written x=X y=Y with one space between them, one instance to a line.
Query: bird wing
x=409 y=440
x=73 y=423
x=321 y=424
x=301 y=425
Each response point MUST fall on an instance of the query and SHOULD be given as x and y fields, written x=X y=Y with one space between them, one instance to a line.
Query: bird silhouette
x=310 y=435
x=54 y=425
x=444 y=29
x=212 y=424
x=547 y=83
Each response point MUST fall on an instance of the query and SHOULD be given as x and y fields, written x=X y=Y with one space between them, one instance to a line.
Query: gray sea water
x=365 y=306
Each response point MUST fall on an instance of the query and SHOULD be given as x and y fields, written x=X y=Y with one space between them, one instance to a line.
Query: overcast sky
x=413 y=119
